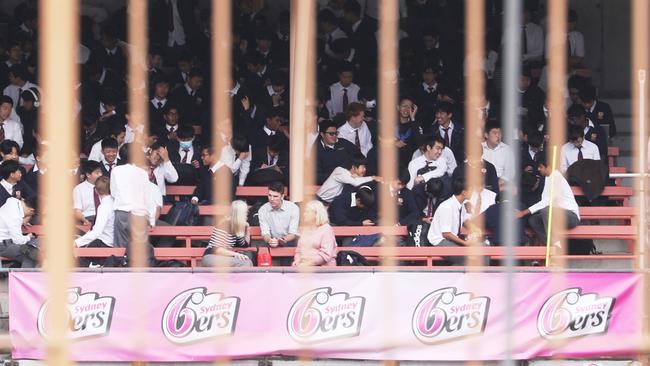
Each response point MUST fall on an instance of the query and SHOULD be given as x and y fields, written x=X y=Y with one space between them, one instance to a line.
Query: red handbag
x=264 y=257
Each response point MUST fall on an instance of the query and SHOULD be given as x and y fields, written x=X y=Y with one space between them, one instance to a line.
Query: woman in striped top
x=232 y=231
x=317 y=243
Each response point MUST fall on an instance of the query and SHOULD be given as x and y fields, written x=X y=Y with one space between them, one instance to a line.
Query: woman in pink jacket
x=317 y=243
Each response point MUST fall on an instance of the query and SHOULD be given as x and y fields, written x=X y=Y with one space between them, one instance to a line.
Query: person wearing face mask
x=185 y=153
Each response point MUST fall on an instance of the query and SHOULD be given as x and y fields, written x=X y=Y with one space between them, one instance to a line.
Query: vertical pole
x=510 y=106
x=58 y=46
x=221 y=101
x=475 y=90
x=302 y=92
x=640 y=59
x=388 y=77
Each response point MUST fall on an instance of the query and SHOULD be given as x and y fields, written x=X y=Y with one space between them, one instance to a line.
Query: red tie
x=152 y=177
x=460 y=223
x=345 y=99
x=185 y=153
x=580 y=157
x=430 y=208
x=2 y=132
x=446 y=137
x=110 y=168
x=97 y=200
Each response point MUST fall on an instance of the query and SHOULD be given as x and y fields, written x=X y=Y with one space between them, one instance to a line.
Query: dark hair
x=429 y=66
x=5 y=99
x=575 y=133
x=353 y=7
x=359 y=160
x=161 y=79
x=326 y=16
x=277 y=187
x=20 y=71
x=185 y=132
x=263 y=34
x=346 y=67
x=433 y=188
x=109 y=97
x=528 y=181
x=278 y=77
x=458 y=186
x=491 y=126
x=535 y=139
x=90 y=166
x=9 y=167
x=445 y=107
x=325 y=124
x=576 y=111
x=184 y=56
x=109 y=143
x=256 y=58
x=274 y=112
x=573 y=16
x=195 y=73
x=276 y=143
x=168 y=107
x=239 y=143
x=209 y=148
x=540 y=159
x=115 y=129
x=366 y=196
x=340 y=45
x=7 y=145
x=587 y=93
x=30 y=94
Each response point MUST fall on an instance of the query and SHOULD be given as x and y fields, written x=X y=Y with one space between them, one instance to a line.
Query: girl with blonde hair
x=232 y=231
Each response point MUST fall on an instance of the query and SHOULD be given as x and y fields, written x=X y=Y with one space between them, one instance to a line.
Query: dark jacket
x=602 y=115
x=343 y=214
x=590 y=175
x=328 y=159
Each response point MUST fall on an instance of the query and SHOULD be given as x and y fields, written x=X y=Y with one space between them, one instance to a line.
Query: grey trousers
x=23 y=253
x=122 y=229
x=539 y=222
x=212 y=260
x=455 y=261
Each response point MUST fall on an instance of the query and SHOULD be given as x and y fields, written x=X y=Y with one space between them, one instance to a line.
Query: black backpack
x=182 y=213
x=350 y=258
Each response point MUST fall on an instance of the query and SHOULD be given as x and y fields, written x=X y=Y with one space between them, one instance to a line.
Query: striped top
x=222 y=239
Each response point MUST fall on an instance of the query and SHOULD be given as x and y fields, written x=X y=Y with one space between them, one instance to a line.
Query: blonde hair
x=320 y=213
x=238 y=217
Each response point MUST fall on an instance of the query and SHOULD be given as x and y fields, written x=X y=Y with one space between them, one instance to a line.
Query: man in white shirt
x=18 y=75
x=130 y=191
x=84 y=197
x=344 y=92
x=497 y=153
x=116 y=131
x=13 y=244
x=448 y=220
x=532 y=47
x=355 y=177
x=9 y=129
x=161 y=169
x=577 y=149
x=102 y=232
x=109 y=155
x=430 y=164
x=576 y=40
x=355 y=128
x=564 y=201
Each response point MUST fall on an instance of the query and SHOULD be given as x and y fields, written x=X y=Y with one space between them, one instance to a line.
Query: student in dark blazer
x=449 y=131
x=190 y=98
x=354 y=207
x=598 y=111
x=260 y=138
x=11 y=184
x=274 y=166
x=184 y=153
x=331 y=152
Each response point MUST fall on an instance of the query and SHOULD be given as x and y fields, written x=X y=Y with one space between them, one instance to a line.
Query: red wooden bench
x=612 y=153
x=615 y=193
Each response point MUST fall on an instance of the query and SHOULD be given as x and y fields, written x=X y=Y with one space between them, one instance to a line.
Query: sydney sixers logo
x=320 y=315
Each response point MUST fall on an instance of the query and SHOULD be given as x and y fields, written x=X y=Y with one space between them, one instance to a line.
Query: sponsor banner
x=377 y=316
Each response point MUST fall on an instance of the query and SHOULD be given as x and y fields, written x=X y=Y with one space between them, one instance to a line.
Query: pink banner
x=404 y=316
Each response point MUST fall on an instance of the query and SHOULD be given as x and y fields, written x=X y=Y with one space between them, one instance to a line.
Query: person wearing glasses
x=331 y=152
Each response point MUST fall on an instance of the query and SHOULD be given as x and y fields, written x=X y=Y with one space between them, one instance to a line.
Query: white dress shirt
x=103 y=227
x=442 y=131
x=177 y=36
x=419 y=163
x=230 y=158
x=13 y=131
x=155 y=203
x=569 y=153
x=11 y=221
x=448 y=218
x=83 y=198
x=347 y=132
x=488 y=198
x=331 y=37
x=155 y=101
x=165 y=172
x=534 y=42
x=333 y=186
x=7 y=186
x=190 y=154
x=96 y=152
x=129 y=189
x=14 y=91
x=335 y=104
x=447 y=154
x=577 y=43
x=501 y=158
x=563 y=199
x=129 y=134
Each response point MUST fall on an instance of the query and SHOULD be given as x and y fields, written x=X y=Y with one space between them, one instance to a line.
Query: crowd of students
x=429 y=135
